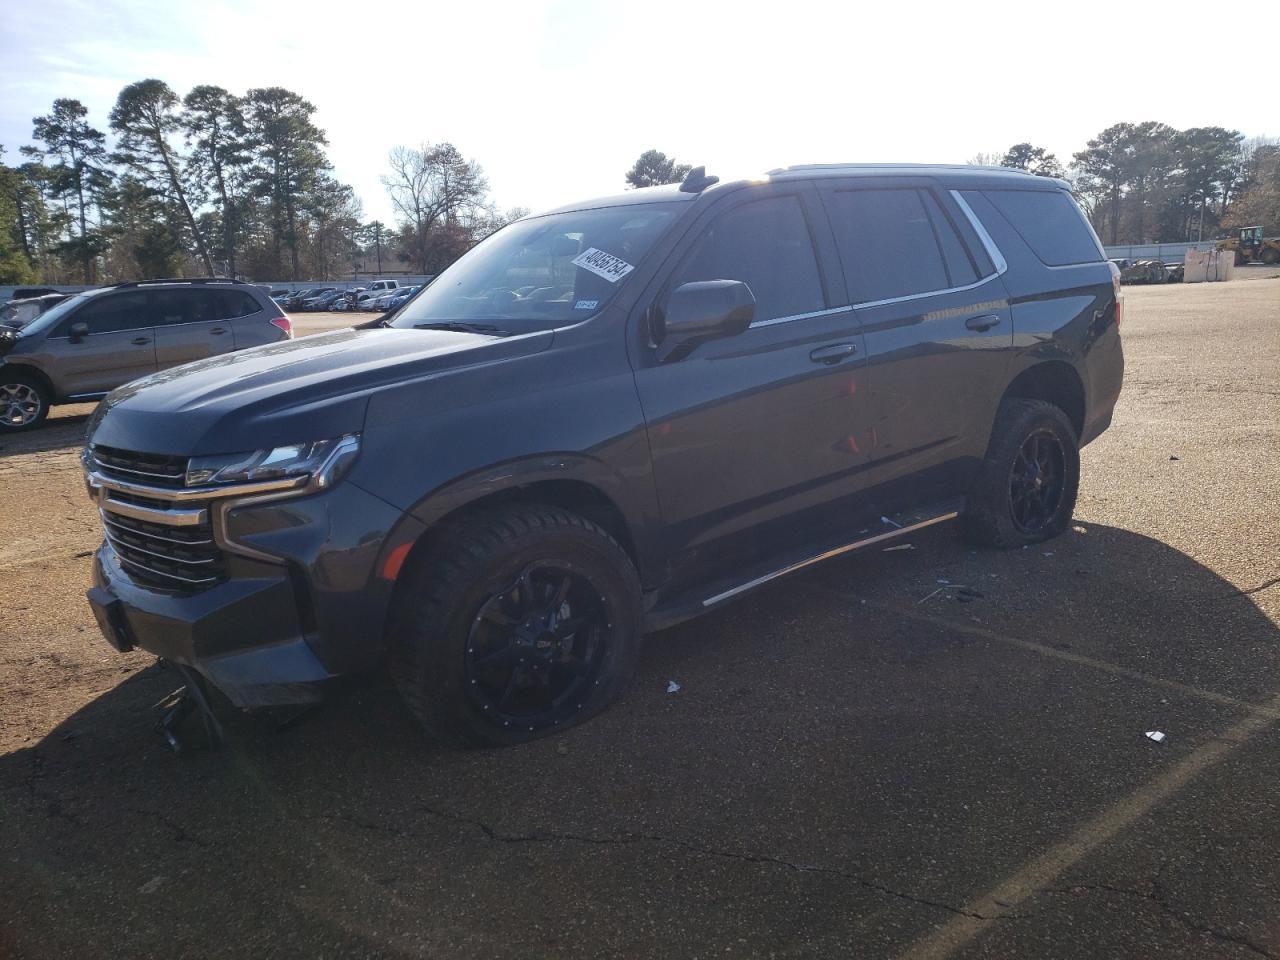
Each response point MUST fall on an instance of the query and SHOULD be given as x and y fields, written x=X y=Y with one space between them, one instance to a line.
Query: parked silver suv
x=96 y=341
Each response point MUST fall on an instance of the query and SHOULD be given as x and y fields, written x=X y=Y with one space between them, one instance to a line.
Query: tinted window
x=184 y=306
x=110 y=312
x=235 y=303
x=1050 y=223
x=960 y=267
x=767 y=245
x=887 y=244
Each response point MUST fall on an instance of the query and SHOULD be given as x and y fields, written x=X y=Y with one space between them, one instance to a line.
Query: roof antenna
x=697 y=181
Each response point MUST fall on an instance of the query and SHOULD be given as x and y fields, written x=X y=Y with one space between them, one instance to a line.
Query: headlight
x=324 y=461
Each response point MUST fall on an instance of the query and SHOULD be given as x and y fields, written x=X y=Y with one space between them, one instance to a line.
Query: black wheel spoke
x=561 y=593
x=525 y=665
x=496 y=658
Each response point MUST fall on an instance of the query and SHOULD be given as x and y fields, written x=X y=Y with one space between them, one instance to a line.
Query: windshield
x=51 y=316
x=543 y=272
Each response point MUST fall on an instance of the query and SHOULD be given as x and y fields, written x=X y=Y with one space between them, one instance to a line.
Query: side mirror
x=700 y=311
x=78 y=331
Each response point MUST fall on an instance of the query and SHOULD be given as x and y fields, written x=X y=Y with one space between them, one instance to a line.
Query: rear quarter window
x=1050 y=223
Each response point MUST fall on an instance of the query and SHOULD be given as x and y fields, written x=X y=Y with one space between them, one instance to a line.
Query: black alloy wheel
x=1037 y=481
x=535 y=650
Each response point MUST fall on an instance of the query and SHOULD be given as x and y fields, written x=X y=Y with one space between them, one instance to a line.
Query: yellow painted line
x=1269 y=711
x=1045 y=869
x=977 y=916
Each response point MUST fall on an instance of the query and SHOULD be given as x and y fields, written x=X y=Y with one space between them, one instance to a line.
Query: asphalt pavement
x=856 y=764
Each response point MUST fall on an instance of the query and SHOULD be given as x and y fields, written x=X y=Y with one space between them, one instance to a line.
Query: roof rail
x=201 y=280
x=796 y=168
x=697 y=181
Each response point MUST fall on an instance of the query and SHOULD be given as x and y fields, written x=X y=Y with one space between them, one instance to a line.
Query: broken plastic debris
x=673 y=687
x=890 y=522
x=1155 y=735
x=901 y=546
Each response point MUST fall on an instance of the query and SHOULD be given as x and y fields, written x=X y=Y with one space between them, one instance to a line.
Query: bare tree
x=433 y=187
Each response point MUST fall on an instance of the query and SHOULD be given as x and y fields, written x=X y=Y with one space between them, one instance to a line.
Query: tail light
x=282 y=323
x=1115 y=285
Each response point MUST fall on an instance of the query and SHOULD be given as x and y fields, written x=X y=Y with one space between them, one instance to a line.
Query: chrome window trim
x=992 y=250
x=927 y=293
x=797 y=316
x=997 y=259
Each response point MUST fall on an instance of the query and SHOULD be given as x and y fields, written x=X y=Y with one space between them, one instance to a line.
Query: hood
x=311 y=388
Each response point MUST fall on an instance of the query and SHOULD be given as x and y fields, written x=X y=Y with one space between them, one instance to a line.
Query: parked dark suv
x=95 y=341
x=604 y=420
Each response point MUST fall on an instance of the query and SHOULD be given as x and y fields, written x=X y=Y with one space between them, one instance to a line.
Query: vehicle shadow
x=60 y=431
x=854 y=720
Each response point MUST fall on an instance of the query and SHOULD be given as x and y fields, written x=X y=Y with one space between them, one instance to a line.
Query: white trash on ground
x=1155 y=735
x=673 y=687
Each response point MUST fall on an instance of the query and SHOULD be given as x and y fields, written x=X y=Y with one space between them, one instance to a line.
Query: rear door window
x=887 y=244
x=173 y=307
x=1050 y=223
x=961 y=270
x=767 y=245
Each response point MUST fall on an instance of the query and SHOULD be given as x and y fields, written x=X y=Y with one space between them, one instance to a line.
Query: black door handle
x=982 y=323
x=140 y=341
x=834 y=353
x=218 y=331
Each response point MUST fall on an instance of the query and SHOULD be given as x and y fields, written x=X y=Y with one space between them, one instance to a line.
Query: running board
x=847 y=548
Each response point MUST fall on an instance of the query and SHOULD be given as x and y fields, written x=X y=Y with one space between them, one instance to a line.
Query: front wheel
x=24 y=402
x=1026 y=488
x=516 y=624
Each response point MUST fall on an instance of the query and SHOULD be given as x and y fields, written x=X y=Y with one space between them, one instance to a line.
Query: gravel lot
x=851 y=768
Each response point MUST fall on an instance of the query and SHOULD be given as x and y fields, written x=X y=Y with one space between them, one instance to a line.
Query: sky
x=555 y=98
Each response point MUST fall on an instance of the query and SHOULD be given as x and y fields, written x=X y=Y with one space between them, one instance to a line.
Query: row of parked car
x=380 y=296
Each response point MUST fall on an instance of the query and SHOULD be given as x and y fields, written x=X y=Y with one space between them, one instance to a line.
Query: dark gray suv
x=93 y=342
x=601 y=421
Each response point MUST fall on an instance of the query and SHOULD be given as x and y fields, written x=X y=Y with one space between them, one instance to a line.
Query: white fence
x=1168 y=252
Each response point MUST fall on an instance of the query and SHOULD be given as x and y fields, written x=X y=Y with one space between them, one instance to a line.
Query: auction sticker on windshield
x=603 y=264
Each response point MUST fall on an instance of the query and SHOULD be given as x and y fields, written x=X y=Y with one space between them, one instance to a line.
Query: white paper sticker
x=586 y=304
x=603 y=264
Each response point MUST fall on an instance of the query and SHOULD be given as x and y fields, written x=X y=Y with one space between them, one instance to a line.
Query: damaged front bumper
x=244 y=636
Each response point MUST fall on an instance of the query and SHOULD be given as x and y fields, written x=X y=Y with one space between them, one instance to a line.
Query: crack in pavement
x=1156 y=897
x=491 y=833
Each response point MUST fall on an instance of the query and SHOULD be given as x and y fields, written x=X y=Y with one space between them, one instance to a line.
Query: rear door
x=120 y=345
x=748 y=433
x=189 y=325
x=938 y=332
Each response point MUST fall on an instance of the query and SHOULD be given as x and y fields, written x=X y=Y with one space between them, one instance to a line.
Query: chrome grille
x=161 y=541
x=151 y=469
x=174 y=558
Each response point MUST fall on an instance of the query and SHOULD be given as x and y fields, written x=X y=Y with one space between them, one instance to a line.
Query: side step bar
x=856 y=545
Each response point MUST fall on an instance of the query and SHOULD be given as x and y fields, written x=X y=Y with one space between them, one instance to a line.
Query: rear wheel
x=1026 y=488
x=24 y=402
x=516 y=624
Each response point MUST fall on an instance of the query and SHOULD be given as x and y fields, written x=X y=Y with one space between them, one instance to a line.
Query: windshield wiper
x=486 y=329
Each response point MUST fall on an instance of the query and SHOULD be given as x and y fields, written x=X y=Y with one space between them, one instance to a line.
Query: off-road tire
x=14 y=379
x=470 y=561
x=989 y=519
